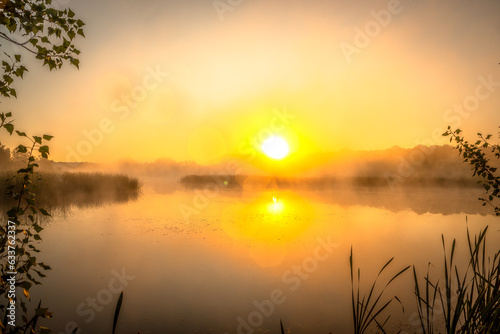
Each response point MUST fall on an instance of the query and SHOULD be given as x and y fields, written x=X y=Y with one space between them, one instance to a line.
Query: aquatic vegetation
x=367 y=309
x=469 y=300
x=79 y=189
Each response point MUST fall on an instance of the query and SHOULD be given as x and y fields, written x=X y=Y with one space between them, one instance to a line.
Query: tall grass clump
x=61 y=191
x=469 y=301
x=366 y=310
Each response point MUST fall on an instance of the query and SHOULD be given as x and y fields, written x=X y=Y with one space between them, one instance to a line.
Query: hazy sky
x=199 y=80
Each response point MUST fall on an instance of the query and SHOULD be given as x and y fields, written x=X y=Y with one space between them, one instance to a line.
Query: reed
x=366 y=310
x=61 y=191
x=469 y=302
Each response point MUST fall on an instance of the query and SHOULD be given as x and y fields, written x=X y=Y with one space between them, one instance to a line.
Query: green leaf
x=22 y=149
x=75 y=62
x=47 y=137
x=41 y=311
x=21 y=134
x=37 y=139
x=9 y=128
x=18 y=58
x=19 y=72
x=25 y=285
x=8 y=79
x=44 y=150
x=44 y=266
x=44 y=212
x=12 y=213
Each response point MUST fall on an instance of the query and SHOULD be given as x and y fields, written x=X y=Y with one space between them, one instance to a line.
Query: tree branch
x=7 y=38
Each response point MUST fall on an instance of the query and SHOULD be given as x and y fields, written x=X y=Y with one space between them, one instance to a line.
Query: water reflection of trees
x=427 y=195
x=59 y=192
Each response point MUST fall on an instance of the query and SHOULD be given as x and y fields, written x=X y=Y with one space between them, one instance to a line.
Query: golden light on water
x=270 y=218
x=268 y=229
x=276 y=207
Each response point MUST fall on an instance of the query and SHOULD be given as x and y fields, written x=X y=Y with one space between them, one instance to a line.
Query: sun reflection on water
x=269 y=225
x=276 y=207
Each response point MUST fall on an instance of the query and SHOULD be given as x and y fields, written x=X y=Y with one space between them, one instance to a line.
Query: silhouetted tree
x=36 y=27
x=4 y=157
x=479 y=155
x=40 y=29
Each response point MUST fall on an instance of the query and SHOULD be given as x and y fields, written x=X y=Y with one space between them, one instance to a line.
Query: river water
x=238 y=261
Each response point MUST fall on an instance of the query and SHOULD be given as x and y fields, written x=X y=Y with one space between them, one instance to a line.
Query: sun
x=275 y=147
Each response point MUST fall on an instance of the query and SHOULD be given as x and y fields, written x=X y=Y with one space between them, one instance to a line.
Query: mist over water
x=218 y=163
x=198 y=249
x=207 y=268
x=60 y=192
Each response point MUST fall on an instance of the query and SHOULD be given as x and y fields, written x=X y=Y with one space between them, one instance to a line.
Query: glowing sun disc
x=275 y=147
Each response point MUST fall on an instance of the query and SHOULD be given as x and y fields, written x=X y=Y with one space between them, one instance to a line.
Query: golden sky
x=203 y=80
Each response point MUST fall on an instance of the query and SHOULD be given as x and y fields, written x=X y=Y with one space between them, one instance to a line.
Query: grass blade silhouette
x=117 y=311
x=367 y=309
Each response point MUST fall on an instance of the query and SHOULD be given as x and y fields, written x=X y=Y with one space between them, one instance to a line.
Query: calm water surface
x=241 y=261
